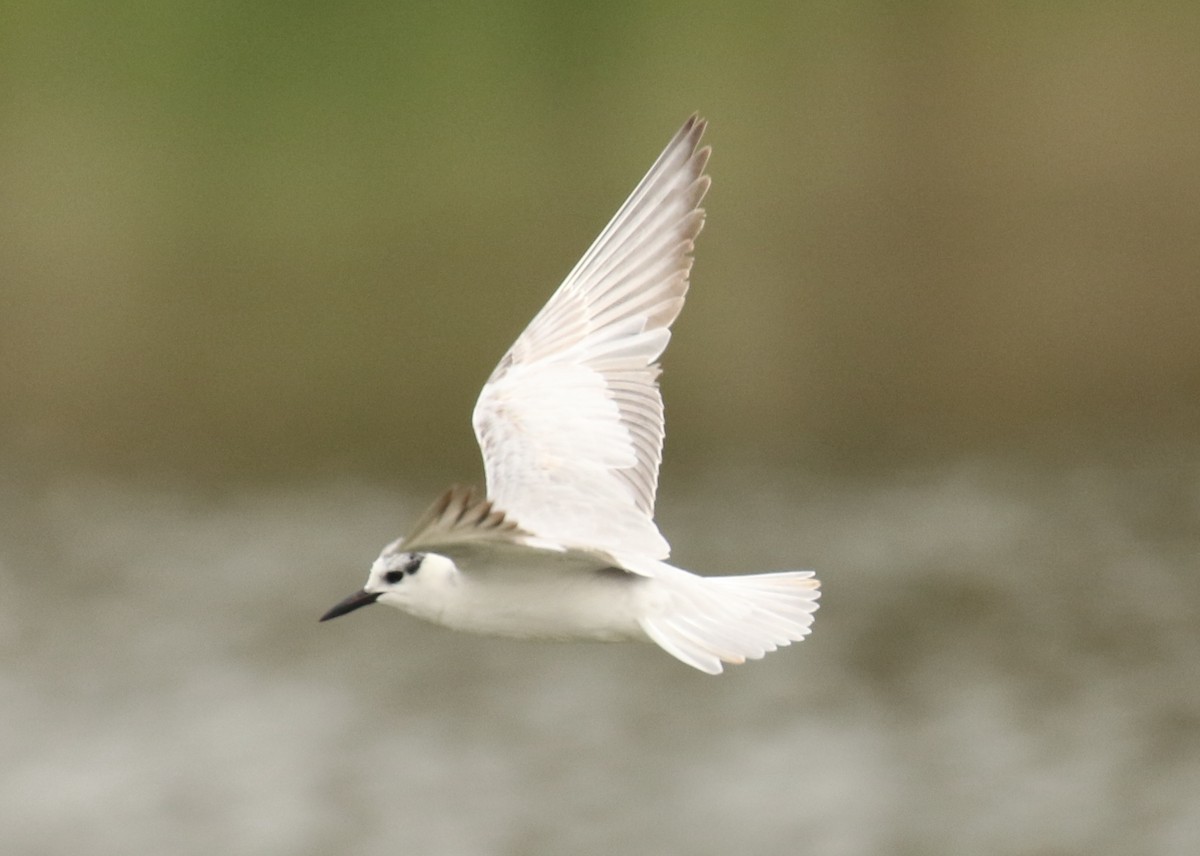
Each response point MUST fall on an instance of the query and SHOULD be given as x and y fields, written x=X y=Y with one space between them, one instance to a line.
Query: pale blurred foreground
x=1005 y=662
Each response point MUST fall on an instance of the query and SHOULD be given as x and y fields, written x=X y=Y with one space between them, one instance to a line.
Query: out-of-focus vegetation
x=254 y=240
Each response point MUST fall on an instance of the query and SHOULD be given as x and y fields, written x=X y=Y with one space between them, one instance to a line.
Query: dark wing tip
x=691 y=131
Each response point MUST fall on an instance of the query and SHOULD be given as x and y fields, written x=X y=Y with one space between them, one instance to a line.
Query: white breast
x=540 y=595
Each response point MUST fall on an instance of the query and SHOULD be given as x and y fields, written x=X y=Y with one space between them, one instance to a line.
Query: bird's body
x=539 y=595
x=571 y=427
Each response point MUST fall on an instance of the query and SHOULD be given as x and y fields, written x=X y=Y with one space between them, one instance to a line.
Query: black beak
x=356 y=601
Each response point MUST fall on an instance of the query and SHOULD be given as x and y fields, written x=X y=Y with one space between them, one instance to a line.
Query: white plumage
x=571 y=428
x=571 y=421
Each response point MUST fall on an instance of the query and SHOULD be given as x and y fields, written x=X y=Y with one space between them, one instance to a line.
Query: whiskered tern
x=564 y=544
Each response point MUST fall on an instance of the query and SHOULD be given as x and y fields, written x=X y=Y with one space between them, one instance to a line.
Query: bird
x=563 y=543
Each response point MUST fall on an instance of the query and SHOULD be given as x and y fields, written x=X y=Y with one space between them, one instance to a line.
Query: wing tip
x=694 y=126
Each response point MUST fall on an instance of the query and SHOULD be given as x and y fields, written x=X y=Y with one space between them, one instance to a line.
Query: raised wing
x=571 y=421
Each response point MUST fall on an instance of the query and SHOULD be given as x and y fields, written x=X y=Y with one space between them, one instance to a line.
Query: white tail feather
x=707 y=621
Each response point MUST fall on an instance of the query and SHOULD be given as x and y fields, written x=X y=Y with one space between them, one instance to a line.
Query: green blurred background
x=245 y=241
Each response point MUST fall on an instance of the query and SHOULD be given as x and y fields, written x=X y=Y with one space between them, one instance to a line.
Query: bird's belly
x=600 y=605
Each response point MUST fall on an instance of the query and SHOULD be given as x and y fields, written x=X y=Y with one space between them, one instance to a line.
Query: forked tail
x=705 y=621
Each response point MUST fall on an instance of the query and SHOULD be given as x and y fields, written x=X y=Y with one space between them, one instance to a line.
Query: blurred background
x=941 y=345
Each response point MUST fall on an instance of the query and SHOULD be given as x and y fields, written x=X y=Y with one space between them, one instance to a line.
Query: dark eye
x=393 y=577
x=414 y=564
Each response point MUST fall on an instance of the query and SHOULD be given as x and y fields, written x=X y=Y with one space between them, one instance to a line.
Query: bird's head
x=400 y=578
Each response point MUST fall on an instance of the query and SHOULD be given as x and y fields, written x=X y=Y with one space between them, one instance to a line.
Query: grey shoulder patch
x=461 y=514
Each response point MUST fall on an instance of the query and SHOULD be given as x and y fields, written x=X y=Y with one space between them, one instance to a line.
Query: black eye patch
x=393 y=577
x=414 y=564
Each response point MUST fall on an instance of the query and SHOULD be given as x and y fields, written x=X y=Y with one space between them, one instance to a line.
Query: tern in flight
x=564 y=545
